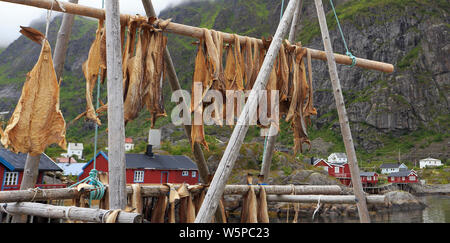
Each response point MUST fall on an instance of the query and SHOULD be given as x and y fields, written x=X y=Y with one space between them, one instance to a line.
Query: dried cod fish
x=37 y=120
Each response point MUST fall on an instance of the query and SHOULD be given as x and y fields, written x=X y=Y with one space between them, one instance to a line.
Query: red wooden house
x=12 y=166
x=150 y=168
x=403 y=176
x=369 y=178
x=341 y=171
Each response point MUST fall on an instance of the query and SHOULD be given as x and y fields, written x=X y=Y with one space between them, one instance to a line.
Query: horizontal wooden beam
x=69 y=213
x=330 y=199
x=156 y=190
x=192 y=31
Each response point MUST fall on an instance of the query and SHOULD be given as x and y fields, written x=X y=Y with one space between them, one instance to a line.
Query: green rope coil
x=348 y=53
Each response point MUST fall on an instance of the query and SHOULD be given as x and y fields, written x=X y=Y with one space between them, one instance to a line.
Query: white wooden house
x=388 y=168
x=74 y=149
x=338 y=158
x=429 y=162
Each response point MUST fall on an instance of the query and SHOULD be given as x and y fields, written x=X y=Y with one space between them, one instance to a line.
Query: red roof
x=128 y=140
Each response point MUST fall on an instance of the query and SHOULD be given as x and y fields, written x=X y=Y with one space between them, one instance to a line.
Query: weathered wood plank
x=116 y=126
x=70 y=213
x=331 y=199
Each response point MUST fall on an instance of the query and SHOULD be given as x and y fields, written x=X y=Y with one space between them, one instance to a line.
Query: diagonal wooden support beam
x=343 y=118
x=195 y=32
x=226 y=165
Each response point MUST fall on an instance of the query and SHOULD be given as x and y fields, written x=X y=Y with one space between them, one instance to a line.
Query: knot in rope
x=98 y=191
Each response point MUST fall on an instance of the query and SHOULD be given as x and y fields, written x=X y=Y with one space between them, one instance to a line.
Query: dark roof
x=367 y=174
x=390 y=165
x=163 y=162
x=16 y=162
x=401 y=173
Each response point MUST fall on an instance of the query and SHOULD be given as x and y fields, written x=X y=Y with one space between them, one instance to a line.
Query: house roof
x=66 y=160
x=75 y=146
x=391 y=165
x=318 y=160
x=402 y=173
x=165 y=162
x=128 y=140
x=160 y=162
x=339 y=155
x=72 y=169
x=16 y=162
x=430 y=159
x=367 y=173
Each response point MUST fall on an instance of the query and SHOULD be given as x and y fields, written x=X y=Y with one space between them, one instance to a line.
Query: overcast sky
x=14 y=15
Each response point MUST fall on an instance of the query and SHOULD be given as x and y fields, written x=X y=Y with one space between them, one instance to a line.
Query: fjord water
x=437 y=211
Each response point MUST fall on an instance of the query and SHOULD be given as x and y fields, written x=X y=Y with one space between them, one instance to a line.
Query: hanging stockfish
x=132 y=104
x=186 y=210
x=159 y=210
x=309 y=109
x=154 y=72
x=249 y=213
x=256 y=63
x=202 y=76
x=37 y=120
x=136 y=199
x=94 y=67
x=249 y=66
x=173 y=196
x=263 y=216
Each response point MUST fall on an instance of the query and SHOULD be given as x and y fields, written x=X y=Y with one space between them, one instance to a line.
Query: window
x=11 y=178
x=185 y=173
x=336 y=169
x=194 y=173
x=403 y=178
x=369 y=178
x=139 y=176
x=412 y=178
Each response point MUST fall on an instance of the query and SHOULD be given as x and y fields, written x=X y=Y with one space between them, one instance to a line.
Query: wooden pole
x=343 y=118
x=175 y=85
x=195 y=32
x=116 y=126
x=157 y=190
x=295 y=21
x=70 y=213
x=29 y=179
x=62 y=42
x=330 y=199
x=271 y=140
x=223 y=171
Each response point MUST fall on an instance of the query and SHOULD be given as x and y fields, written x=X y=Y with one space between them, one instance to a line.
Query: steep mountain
x=407 y=110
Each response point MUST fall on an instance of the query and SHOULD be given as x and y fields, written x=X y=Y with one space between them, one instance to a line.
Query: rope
x=348 y=53
x=317 y=208
x=49 y=14
x=281 y=11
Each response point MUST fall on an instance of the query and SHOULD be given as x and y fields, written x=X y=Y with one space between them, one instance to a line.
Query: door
x=164 y=177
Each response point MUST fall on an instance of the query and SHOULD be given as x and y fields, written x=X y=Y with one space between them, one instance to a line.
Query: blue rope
x=281 y=11
x=348 y=53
